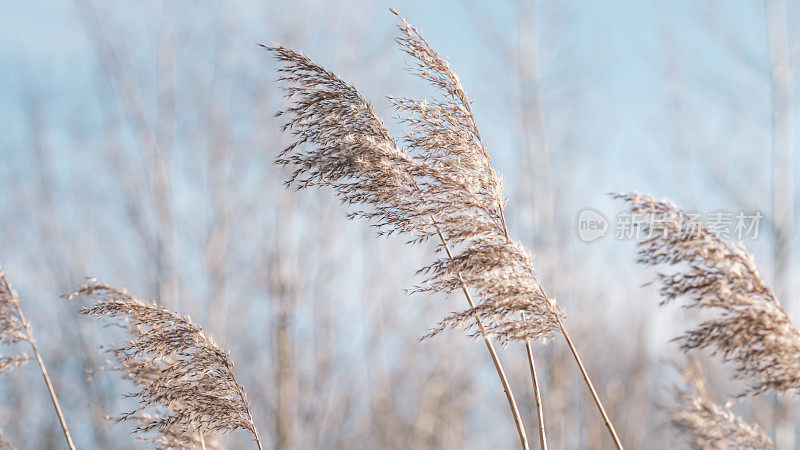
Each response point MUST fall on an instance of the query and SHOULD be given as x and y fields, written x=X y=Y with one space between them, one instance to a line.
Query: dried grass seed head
x=12 y=330
x=186 y=382
x=4 y=444
x=707 y=425
x=442 y=185
x=750 y=328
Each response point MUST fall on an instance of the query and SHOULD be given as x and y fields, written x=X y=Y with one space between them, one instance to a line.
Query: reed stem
x=531 y=365
x=588 y=381
x=512 y=403
x=586 y=378
x=537 y=395
x=202 y=440
x=43 y=370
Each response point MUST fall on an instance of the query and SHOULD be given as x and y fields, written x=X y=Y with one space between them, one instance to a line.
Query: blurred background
x=137 y=146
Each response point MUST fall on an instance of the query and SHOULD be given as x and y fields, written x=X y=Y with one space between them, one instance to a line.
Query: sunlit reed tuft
x=447 y=187
x=707 y=425
x=4 y=444
x=12 y=329
x=186 y=383
x=750 y=328
x=9 y=363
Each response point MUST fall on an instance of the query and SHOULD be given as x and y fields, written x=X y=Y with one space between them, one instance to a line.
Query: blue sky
x=605 y=78
x=618 y=48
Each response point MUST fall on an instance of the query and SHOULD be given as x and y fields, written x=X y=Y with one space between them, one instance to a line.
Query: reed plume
x=172 y=437
x=750 y=330
x=450 y=191
x=707 y=425
x=464 y=196
x=351 y=152
x=13 y=329
x=11 y=332
x=9 y=363
x=186 y=383
x=440 y=185
x=4 y=444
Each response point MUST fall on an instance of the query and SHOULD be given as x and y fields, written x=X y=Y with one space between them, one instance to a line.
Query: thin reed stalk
x=592 y=390
x=537 y=396
x=587 y=380
x=575 y=355
x=536 y=393
x=512 y=403
x=14 y=329
x=496 y=360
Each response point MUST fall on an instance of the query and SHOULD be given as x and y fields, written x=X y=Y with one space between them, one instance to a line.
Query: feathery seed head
x=442 y=185
x=708 y=425
x=751 y=329
x=186 y=382
x=9 y=363
x=12 y=329
x=4 y=444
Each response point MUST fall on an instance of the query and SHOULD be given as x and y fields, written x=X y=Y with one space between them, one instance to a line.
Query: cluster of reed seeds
x=437 y=184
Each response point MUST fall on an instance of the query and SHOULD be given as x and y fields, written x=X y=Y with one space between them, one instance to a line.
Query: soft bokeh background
x=137 y=145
